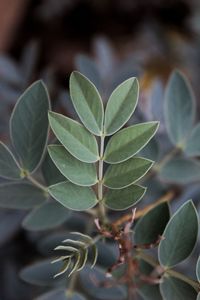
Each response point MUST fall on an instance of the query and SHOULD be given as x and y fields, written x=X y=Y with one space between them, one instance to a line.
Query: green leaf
x=124 y=198
x=60 y=294
x=192 y=146
x=121 y=105
x=180 y=236
x=87 y=102
x=150 y=292
x=126 y=173
x=46 y=216
x=175 y=289
x=127 y=142
x=198 y=269
x=21 y=195
x=51 y=174
x=29 y=125
x=198 y=297
x=151 y=150
x=76 y=171
x=9 y=167
x=72 y=196
x=179 y=108
x=74 y=137
x=180 y=170
x=151 y=225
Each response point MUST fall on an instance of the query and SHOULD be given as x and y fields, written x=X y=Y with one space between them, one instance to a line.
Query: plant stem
x=36 y=183
x=72 y=284
x=102 y=214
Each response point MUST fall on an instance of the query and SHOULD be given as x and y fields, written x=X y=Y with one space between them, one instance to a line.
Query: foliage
x=97 y=169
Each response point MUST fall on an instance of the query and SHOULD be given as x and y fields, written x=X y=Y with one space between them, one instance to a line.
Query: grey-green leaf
x=72 y=196
x=126 y=173
x=127 y=142
x=124 y=198
x=46 y=216
x=192 y=146
x=121 y=105
x=179 y=108
x=50 y=172
x=87 y=102
x=74 y=137
x=198 y=269
x=9 y=167
x=150 y=292
x=175 y=289
x=151 y=225
x=60 y=294
x=21 y=195
x=76 y=171
x=180 y=170
x=180 y=236
x=29 y=125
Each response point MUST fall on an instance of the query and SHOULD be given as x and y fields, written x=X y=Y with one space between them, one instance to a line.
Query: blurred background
x=108 y=41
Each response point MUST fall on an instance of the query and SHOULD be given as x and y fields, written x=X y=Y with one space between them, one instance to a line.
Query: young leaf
x=192 y=147
x=127 y=142
x=121 y=105
x=87 y=102
x=74 y=137
x=60 y=294
x=124 y=198
x=29 y=125
x=175 y=289
x=180 y=170
x=9 y=167
x=179 y=108
x=72 y=196
x=46 y=216
x=180 y=236
x=151 y=225
x=21 y=195
x=198 y=269
x=126 y=173
x=76 y=171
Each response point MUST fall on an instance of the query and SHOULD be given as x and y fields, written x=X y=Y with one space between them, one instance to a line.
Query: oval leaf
x=9 y=167
x=76 y=171
x=60 y=294
x=72 y=196
x=29 y=125
x=74 y=137
x=198 y=269
x=175 y=289
x=192 y=147
x=151 y=225
x=125 y=198
x=180 y=170
x=21 y=195
x=127 y=142
x=126 y=173
x=121 y=105
x=180 y=236
x=46 y=216
x=179 y=108
x=150 y=292
x=51 y=174
x=87 y=102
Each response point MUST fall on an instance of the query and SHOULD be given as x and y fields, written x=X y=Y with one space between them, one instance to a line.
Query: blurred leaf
x=180 y=170
x=9 y=167
x=50 y=172
x=88 y=279
x=151 y=225
x=179 y=108
x=10 y=224
x=60 y=294
x=175 y=289
x=129 y=141
x=126 y=173
x=151 y=150
x=72 y=196
x=74 y=137
x=121 y=105
x=21 y=195
x=198 y=269
x=87 y=102
x=198 y=297
x=46 y=216
x=150 y=292
x=42 y=273
x=180 y=236
x=29 y=125
x=76 y=171
x=9 y=71
x=124 y=198
x=192 y=147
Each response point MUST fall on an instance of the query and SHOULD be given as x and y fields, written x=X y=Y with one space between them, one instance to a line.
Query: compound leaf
x=9 y=167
